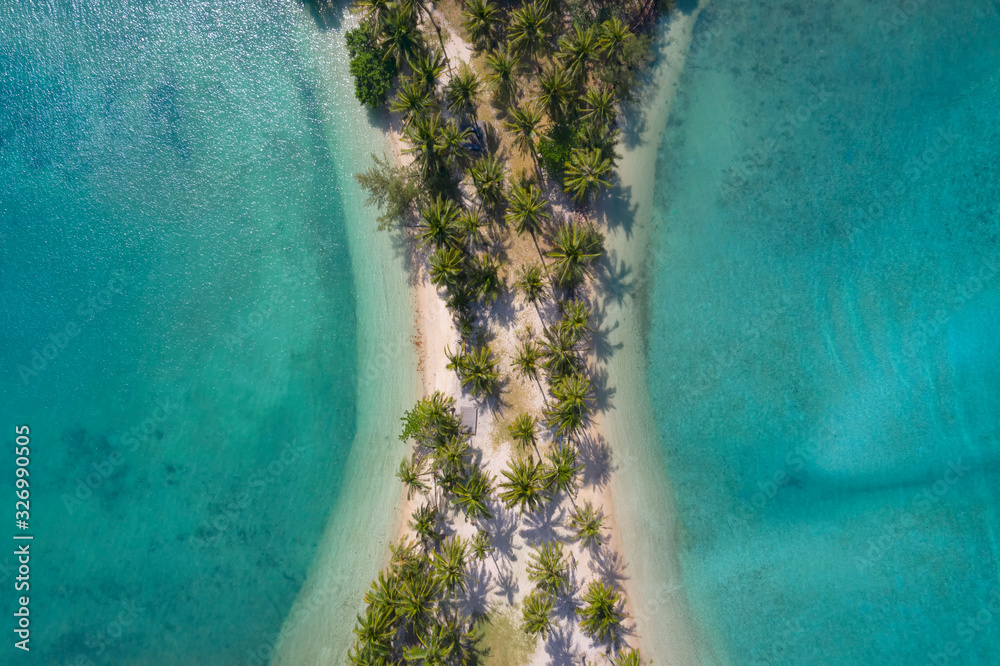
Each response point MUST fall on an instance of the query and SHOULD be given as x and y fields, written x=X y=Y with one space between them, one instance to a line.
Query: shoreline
x=655 y=588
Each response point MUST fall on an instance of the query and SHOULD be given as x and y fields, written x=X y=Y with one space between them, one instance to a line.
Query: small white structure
x=469 y=415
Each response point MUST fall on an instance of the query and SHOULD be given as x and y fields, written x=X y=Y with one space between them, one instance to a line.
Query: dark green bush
x=373 y=74
x=554 y=149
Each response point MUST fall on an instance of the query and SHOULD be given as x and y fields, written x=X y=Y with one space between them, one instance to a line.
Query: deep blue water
x=177 y=327
x=823 y=330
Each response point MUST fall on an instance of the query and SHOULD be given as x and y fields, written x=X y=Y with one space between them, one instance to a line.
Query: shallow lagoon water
x=822 y=330
x=179 y=323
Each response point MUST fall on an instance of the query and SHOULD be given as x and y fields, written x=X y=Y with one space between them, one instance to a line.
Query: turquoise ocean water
x=822 y=330
x=178 y=325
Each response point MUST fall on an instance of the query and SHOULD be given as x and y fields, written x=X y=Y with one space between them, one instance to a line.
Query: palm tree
x=427 y=67
x=522 y=430
x=524 y=122
x=385 y=591
x=503 y=67
x=586 y=173
x=572 y=408
x=471 y=223
x=574 y=248
x=560 y=475
x=431 y=421
x=376 y=630
x=578 y=50
x=416 y=602
x=425 y=523
x=523 y=487
x=527 y=211
x=614 y=38
x=537 y=614
x=411 y=472
x=450 y=460
x=489 y=176
x=627 y=658
x=476 y=368
x=453 y=140
x=439 y=224
x=424 y=136
x=473 y=493
x=530 y=283
x=555 y=91
x=400 y=36
x=530 y=28
x=462 y=93
x=482 y=544
x=600 y=617
x=481 y=18
x=527 y=358
x=599 y=107
x=449 y=564
x=575 y=316
x=435 y=647
x=485 y=278
x=412 y=99
x=446 y=267
x=587 y=522
x=548 y=569
x=560 y=352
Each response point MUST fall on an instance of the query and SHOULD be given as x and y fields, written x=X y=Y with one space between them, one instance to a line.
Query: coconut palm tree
x=476 y=368
x=578 y=50
x=527 y=359
x=438 y=226
x=425 y=523
x=376 y=630
x=453 y=140
x=481 y=18
x=473 y=494
x=527 y=211
x=600 y=618
x=523 y=487
x=400 y=35
x=537 y=614
x=503 y=66
x=450 y=461
x=574 y=248
x=462 y=93
x=411 y=472
x=627 y=658
x=572 y=408
x=375 y=12
x=482 y=544
x=614 y=37
x=560 y=475
x=530 y=283
x=522 y=430
x=599 y=107
x=555 y=86
x=424 y=136
x=447 y=265
x=485 y=277
x=548 y=568
x=576 y=316
x=435 y=647
x=449 y=564
x=489 y=175
x=524 y=122
x=427 y=68
x=431 y=421
x=586 y=172
x=530 y=28
x=560 y=352
x=417 y=600
x=385 y=591
x=412 y=99
x=587 y=522
x=471 y=223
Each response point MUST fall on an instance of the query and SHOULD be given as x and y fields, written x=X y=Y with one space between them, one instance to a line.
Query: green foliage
x=537 y=614
x=431 y=421
x=527 y=359
x=548 y=568
x=473 y=494
x=523 y=485
x=574 y=249
x=600 y=617
x=373 y=72
x=587 y=522
x=394 y=189
x=522 y=430
x=627 y=658
x=560 y=474
x=555 y=148
x=531 y=283
x=476 y=368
